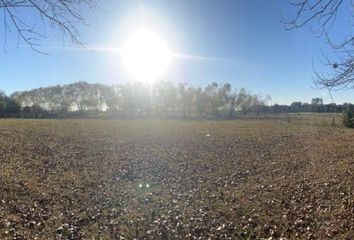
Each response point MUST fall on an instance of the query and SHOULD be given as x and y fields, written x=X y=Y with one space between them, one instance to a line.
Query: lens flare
x=146 y=56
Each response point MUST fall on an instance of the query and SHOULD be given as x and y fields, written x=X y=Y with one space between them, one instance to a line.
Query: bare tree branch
x=61 y=15
x=323 y=13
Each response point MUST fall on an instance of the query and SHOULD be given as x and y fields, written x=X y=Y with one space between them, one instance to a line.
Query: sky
x=240 y=42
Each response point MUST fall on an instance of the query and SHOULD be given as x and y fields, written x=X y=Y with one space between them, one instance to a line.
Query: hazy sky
x=241 y=42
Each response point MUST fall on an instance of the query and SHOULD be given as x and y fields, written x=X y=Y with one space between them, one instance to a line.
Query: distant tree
x=65 y=99
x=8 y=104
x=307 y=107
x=332 y=107
x=36 y=111
x=244 y=100
x=112 y=98
x=317 y=101
x=94 y=97
x=165 y=96
x=11 y=106
x=26 y=110
x=142 y=97
x=223 y=96
x=2 y=101
x=258 y=103
x=201 y=101
x=296 y=106
x=129 y=105
x=348 y=116
x=213 y=98
x=190 y=99
x=317 y=104
x=53 y=97
x=79 y=93
x=268 y=99
x=24 y=98
x=186 y=98
x=232 y=103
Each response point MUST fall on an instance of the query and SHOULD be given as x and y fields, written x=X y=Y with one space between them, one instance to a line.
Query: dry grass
x=105 y=179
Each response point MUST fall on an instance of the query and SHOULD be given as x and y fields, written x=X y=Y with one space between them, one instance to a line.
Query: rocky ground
x=100 y=179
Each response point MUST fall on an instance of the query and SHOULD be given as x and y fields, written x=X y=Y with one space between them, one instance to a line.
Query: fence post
x=288 y=118
x=333 y=122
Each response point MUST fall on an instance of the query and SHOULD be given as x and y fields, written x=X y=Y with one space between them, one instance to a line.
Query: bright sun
x=146 y=56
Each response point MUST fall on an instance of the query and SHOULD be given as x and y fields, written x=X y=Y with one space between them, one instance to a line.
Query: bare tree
x=201 y=99
x=323 y=14
x=232 y=101
x=112 y=98
x=183 y=100
x=211 y=92
x=165 y=96
x=59 y=15
x=244 y=100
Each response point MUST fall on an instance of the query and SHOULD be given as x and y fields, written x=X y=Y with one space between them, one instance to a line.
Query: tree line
x=316 y=105
x=135 y=98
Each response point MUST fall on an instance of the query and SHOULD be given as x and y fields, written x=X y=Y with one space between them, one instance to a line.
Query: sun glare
x=146 y=56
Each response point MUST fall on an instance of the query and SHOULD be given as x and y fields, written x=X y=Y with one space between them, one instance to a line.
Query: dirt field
x=101 y=179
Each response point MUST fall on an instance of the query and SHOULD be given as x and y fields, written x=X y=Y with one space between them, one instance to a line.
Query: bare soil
x=106 y=179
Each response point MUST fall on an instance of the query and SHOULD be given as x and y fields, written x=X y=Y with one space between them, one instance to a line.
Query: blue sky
x=259 y=54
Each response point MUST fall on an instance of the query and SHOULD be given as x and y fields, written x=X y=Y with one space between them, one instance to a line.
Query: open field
x=106 y=179
x=302 y=118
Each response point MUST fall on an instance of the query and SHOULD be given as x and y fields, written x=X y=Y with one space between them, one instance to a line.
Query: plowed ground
x=101 y=179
